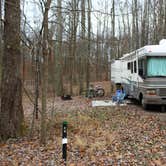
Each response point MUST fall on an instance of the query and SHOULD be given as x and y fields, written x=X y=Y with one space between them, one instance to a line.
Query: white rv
x=142 y=73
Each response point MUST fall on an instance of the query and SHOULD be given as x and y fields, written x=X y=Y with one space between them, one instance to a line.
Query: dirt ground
x=97 y=136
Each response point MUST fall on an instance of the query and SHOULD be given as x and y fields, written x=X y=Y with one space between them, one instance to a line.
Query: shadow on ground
x=151 y=108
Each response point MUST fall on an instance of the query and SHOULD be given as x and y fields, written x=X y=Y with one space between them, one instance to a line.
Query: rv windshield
x=156 y=66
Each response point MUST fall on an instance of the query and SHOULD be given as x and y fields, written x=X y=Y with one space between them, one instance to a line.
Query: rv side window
x=128 y=66
x=141 y=67
x=135 y=67
x=131 y=67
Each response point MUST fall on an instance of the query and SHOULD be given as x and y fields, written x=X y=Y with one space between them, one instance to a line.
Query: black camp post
x=64 y=141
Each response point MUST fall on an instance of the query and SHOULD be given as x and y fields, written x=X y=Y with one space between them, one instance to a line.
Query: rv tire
x=144 y=105
x=141 y=100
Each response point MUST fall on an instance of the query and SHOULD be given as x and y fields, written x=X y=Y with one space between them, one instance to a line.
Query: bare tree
x=44 y=72
x=154 y=35
x=89 y=45
x=134 y=24
x=72 y=41
x=106 y=44
x=83 y=50
x=113 y=18
x=1 y=36
x=164 y=26
x=160 y=20
x=113 y=54
x=98 y=52
x=58 y=56
x=128 y=26
x=11 y=118
x=143 y=26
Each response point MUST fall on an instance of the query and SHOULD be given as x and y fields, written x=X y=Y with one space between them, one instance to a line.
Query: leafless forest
x=61 y=47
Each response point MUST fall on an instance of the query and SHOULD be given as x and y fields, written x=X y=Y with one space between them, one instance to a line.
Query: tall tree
x=136 y=24
x=144 y=24
x=58 y=58
x=164 y=26
x=1 y=34
x=82 y=53
x=44 y=72
x=160 y=20
x=98 y=51
x=113 y=30
x=89 y=45
x=113 y=18
x=0 y=15
x=70 y=55
x=73 y=38
x=1 y=29
x=11 y=118
x=128 y=26
x=134 y=39
x=154 y=36
x=106 y=43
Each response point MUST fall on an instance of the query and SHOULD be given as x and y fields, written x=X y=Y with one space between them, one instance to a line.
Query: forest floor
x=110 y=136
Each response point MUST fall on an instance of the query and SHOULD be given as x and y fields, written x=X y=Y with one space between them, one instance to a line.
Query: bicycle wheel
x=100 y=92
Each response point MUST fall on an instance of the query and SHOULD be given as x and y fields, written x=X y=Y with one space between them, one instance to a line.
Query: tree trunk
x=97 y=54
x=113 y=18
x=1 y=19
x=1 y=43
x=160 y=21
x=89 y=45
x=164 y=27
x=75 y=23
x=11 y=118
x=143 y=26
x=154 y=38
x=136 y=24
x=72 y=48
x=70 y=64
x=59 y=79
x=44 y=73
x=128 y=26
x=82 y=53
x=113 y=54
x=133 y=26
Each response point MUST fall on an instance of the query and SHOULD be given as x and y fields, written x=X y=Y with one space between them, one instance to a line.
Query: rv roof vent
x=162 y=42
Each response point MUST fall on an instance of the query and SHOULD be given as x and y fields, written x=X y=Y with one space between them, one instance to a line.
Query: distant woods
x=79 y=48
x=68 y=45
x=83 y=37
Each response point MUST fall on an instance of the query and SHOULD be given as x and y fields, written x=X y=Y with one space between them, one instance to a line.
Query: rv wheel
x=145 y=106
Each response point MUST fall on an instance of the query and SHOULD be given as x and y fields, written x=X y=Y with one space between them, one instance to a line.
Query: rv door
x=131 y=78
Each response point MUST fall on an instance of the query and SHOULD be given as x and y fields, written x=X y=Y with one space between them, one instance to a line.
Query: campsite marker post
x=64 y=141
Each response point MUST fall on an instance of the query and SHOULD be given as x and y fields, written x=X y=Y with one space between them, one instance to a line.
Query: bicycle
x=96 y=91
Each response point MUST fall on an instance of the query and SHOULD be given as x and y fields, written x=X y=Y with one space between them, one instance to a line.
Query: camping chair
x=119 y=97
